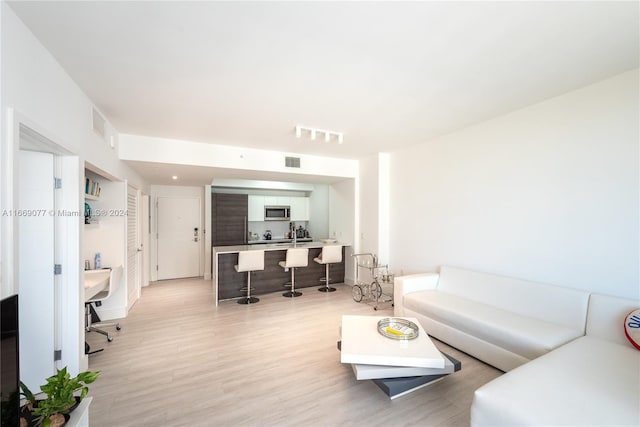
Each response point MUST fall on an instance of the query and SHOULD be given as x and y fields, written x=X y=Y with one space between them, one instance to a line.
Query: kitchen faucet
x=292 y=227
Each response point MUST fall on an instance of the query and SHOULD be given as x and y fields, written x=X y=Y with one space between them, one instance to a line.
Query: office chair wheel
x=118 y=327
x=109 y=339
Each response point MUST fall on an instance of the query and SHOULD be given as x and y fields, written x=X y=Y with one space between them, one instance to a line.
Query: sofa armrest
x=403 y=285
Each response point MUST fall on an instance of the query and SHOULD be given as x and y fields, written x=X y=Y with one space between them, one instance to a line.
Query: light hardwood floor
x=180 y=361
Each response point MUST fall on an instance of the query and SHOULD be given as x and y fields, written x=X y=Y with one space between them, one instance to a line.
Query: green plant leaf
x=27 y=393
x=59 y=390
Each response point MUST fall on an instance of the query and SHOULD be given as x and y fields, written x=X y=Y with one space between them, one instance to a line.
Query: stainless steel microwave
x=277 y=213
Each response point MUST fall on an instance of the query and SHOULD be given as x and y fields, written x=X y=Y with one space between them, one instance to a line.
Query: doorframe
x=138 y=278
x=207 y=234
x=198 y=234
x=158 y=191
x=24 y=133
x=145 y=236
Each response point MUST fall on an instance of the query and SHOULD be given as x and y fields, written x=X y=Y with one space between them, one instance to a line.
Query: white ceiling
x=387 y=74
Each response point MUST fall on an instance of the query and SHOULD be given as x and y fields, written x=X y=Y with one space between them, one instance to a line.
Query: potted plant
x=60 y=399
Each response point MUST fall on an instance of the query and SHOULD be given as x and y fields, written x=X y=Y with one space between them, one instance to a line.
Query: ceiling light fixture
x=174 y=177
x=313 y=133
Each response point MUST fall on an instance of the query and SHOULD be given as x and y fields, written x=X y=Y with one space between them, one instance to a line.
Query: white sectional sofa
x=593 y=380
x=502 y=321
x=557 y=374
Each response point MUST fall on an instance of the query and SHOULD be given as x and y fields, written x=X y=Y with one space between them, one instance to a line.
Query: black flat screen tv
x=9 y=363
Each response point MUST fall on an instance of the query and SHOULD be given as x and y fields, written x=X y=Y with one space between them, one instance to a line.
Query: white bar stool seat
x=249 y=261
x=329 y=255
x=296 y=257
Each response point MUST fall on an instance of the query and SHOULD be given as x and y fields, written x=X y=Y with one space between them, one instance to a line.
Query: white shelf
x=80 y=415
x=90 y=197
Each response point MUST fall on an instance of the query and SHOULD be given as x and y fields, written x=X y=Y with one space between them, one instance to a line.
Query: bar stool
x=249 y=261
x=329 y=255
x=296 y=257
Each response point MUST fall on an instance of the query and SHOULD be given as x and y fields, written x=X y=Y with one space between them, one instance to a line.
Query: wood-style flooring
x=180 y=361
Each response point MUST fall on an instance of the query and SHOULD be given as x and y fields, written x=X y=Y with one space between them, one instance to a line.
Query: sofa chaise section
x=593 y=380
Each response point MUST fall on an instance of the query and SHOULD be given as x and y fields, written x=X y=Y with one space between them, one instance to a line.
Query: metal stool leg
x=326 y=287
x=292 y=293
x=248 y=299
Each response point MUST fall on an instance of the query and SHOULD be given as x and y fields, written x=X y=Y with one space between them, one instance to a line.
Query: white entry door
x=179 y=227
x=36 y=285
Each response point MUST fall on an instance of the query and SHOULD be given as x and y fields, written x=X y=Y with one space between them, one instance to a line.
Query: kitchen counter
x=227 y=282
x=275 y=245
x=262 y=241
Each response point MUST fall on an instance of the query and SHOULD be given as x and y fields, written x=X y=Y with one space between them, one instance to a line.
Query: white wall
x=548 y=193
x=342 y=220
x=38 y=91
x=373 y=232
x=318 y=224
x=174 y=191
x=163 y=150
x=368 y=194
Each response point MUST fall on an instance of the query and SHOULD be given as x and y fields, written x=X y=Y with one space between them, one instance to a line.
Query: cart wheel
x=356 y=291
x=376 y=290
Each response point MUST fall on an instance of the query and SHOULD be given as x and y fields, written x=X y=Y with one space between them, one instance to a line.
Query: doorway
x=37 y=288
x=179 y=227
x=46 y=240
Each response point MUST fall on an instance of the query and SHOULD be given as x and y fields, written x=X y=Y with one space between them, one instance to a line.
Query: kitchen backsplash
x=279 y=229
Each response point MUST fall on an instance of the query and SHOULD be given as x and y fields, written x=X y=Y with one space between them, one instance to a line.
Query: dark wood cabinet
x=229 y=219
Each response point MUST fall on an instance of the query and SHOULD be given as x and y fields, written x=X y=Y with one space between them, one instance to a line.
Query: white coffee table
x=398 y=367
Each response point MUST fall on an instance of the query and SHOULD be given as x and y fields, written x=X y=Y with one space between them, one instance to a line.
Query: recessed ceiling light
x=174 y=177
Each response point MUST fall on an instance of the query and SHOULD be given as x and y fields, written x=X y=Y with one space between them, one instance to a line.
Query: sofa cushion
x=589 y=381
x=564 y=306
x=522 y=335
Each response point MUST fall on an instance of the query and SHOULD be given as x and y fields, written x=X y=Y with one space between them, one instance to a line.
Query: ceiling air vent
x=292 y=162
x=98 y=124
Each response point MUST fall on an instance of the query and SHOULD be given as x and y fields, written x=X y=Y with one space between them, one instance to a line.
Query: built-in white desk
x=96 y=281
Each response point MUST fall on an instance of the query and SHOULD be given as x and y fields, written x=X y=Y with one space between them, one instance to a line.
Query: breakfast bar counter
x=227 y=282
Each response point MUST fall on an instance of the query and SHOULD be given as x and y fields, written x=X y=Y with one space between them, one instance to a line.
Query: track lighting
x=313 y=133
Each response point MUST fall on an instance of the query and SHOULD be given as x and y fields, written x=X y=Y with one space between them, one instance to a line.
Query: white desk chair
x=114 y=283
x=296 y=257
x=249 y=261
x=329 y=255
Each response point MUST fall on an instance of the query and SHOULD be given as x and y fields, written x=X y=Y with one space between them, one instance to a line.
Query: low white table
x=398 y=367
